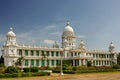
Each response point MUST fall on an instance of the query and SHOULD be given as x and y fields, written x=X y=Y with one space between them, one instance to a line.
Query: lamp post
x=61 y=70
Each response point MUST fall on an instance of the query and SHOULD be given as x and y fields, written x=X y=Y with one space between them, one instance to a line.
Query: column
x=49 y=63
x=49 y=53
x=98 y=62
x=45 y=62
x=103 y=63
x=83 y=61
x=39 y=62
x=29 y=62
x=79 y=62
x=54 y=63
x=34 y=62
x=73 y=62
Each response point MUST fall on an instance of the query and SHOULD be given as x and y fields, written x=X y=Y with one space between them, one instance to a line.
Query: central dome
x=68 y=31
x=68 y=27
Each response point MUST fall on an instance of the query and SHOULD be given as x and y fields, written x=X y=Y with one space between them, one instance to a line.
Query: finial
x=11 y=29
x=111 y=43
x=68 y=22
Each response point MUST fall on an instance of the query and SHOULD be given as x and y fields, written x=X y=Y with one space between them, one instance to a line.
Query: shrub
x=42 y=68
x=89 y=63
x=34 y=69
x=69 y=71
x=8 y=75
x=2 y=75
x=115 y=66
x=27 y=69
x=69 y=68
x=25 y=74
x=15 y=75
x=2 y=69
x=74 y=68
x=11 y=69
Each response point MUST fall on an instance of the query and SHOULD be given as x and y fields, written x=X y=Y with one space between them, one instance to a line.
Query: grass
x=85 y=76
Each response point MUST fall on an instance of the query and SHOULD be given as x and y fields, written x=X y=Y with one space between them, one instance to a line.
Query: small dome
x=68 y=27
x=11 y=33
x=111 y=45
x=82 y=43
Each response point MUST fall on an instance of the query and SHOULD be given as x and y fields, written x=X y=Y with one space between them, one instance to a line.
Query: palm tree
x=19 y=62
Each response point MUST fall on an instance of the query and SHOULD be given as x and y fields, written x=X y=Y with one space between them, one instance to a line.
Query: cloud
x=81 y=36
x=49 y=41
x=2 y=37
x=56 y=33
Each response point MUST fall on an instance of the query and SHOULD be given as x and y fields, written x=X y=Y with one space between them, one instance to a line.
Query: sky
x=41 y=22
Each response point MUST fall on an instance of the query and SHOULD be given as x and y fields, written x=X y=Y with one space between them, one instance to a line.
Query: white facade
x=43 y=56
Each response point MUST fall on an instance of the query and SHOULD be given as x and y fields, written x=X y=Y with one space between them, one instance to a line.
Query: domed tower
x=111 y=48
x=9 y=49
x=11 y=38
x=81 y=45
x=68 y=37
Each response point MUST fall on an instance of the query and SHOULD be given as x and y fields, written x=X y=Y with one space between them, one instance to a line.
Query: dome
x=111 y=45
x=11 y=33
x=82 y=43
x=68 y=27
x=68 y=30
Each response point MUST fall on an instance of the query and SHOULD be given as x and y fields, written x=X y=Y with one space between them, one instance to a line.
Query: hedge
x=12 y=75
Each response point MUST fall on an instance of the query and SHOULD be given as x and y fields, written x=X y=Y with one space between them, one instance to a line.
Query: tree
x=89 y=63
x=1 y=61
x=19 y=62
x=118 y=59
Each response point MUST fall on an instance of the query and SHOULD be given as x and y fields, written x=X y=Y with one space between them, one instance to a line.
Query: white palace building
x=51 y=56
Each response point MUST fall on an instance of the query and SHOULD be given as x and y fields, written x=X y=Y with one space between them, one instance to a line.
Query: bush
x=27 y=69
x=25 y=74
x=69 y=71
x=2 y=75
x=2 y=69
x=34 y=69
x=116 y=66
x=11 y=69
x=69 y=68
x=74 y=68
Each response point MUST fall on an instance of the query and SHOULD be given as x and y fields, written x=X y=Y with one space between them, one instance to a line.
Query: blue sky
x=39 y=22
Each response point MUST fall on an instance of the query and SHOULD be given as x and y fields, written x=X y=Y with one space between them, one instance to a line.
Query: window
x=75 y=54
x=52 y=62
x=43 y=53
x=52 y=53
x=96 y=62
x=26 y=52
x=93 y=55
x=43 y=63
x=37 y=62
x=37 y=53
x=20 y=52
x=26 y=62
x=47 y=53
x=32 y=53
x=32 y=62
x=96 y=55
x=57 y=53
x=47 y=62
x=57 y=62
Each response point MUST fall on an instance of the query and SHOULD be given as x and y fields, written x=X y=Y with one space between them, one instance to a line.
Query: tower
x=68 y=37
x=11 y=38
x=113 y=53
x=9 y=49
x=111 y=48
x=82 y=45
